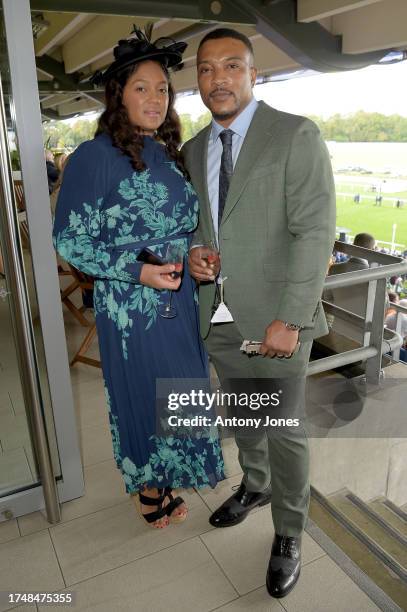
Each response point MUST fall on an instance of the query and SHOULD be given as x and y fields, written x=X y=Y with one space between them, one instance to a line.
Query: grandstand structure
x=356 y=381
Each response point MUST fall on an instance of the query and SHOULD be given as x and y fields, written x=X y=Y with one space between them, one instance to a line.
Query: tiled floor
x=103 y=552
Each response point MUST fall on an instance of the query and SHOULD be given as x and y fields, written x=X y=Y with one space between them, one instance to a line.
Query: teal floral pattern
x=171 y=458
x=106 y=213
x=147 y=202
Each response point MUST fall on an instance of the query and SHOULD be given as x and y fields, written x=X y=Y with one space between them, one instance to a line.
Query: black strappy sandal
x=172 y=505
x=152 y=517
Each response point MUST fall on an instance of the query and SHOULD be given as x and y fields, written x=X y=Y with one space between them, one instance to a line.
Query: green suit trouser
x=282 y=460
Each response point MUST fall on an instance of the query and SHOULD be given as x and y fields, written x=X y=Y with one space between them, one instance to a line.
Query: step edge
x=374 y=548
x=352 y=569
x=389 y=529
x=398 y=511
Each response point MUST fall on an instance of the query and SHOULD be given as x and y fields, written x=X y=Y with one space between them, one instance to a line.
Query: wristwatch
x=293 y=326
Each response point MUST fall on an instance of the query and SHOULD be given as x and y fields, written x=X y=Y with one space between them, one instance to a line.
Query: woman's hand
x=158 y=277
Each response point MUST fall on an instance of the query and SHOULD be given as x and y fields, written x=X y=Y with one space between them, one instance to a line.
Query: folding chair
x=19 y=193
x=85 y=283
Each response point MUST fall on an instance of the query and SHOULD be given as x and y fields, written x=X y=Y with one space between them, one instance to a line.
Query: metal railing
x=377 y=339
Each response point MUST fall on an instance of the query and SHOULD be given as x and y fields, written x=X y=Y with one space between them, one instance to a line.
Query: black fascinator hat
x=132 y=50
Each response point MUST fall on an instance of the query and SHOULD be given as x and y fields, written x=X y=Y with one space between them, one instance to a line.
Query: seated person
x=352 y=298
x=364 y=240
x=390 y=320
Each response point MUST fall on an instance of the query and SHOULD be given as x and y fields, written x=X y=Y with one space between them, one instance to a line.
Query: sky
x=374 y=89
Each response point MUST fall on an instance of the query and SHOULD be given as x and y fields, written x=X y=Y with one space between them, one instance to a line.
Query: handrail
x=346 y=315
x=369 y=254
x=357 y=277
x=381 y=340
x=359 y=354
x=398 y=308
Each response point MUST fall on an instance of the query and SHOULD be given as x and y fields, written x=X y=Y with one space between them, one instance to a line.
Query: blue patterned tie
x=226 y=170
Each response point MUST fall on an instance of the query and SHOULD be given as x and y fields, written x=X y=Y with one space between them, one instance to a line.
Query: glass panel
x=18 y=467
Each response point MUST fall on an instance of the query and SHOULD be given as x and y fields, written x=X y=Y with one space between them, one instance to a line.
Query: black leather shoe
x=284 y=566
x=235 y=509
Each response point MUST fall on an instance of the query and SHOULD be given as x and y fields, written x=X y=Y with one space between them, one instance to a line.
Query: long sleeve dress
x=106 y=213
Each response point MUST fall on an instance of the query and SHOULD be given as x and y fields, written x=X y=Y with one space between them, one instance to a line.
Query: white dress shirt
x=239 y=126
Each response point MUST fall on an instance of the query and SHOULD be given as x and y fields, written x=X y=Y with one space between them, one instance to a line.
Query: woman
x=124 y=190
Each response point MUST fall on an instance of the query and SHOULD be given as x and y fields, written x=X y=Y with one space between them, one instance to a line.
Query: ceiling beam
x=61 y=25
x=52 y=101
x=313 y=10
x=96 y=40
x=44 y=98
x=269 y=59
x=96 y=96
x=225 y=10
x=55 y=87
x=309 y=44
x=53 y=68
x=380 y=26
x=42 y=74
x=52 y=115
x=193 y=43
x=161 y=28
x=79 y=106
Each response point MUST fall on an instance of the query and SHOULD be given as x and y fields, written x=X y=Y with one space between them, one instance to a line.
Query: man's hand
x=203 y=264
x=158 y=277
x=278 y=340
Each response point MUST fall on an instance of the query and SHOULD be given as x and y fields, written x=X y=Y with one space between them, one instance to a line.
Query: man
x=267 y=198
x=353 y=298
x=366 y=241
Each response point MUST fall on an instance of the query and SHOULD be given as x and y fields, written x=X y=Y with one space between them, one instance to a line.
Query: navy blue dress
x=106 y=213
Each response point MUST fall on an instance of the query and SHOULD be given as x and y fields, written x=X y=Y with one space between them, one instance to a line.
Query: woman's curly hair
x=115 y=122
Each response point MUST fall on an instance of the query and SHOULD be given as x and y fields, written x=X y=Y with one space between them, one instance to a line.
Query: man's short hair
x=227 y=33
x=392 y=297
x=366 y=241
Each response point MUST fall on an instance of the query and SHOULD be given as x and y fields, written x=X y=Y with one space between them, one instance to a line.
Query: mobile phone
x=147 y=256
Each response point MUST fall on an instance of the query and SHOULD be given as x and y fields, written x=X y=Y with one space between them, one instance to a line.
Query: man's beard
x=226 y=114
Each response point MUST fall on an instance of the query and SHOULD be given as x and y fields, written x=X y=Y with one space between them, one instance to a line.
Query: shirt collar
x=240 y=125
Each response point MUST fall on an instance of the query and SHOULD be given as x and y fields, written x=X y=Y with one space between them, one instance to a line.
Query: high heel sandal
x=152 y=517
x=172 y=505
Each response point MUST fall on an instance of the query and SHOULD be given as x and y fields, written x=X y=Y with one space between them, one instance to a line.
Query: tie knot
x=226 y=137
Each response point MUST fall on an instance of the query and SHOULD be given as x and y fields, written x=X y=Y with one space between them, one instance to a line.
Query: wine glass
x=175 y=256
x=209 y=252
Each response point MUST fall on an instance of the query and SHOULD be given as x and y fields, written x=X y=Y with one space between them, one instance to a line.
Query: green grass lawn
x=366 y=217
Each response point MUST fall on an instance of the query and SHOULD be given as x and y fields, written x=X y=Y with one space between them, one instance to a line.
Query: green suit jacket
x=278 y=225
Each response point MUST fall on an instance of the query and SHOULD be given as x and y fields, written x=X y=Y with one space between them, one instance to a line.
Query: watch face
x=293 y=326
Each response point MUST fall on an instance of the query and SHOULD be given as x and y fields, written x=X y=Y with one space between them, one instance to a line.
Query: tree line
x=357 y=127
x=363 y=127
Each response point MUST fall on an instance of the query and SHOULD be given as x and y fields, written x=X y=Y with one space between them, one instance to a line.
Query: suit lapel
x=257 y=138
x=201 y=177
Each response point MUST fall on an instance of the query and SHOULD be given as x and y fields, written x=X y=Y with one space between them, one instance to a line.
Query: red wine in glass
x=209 y=252
x=211 y=258
x=178 y=270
